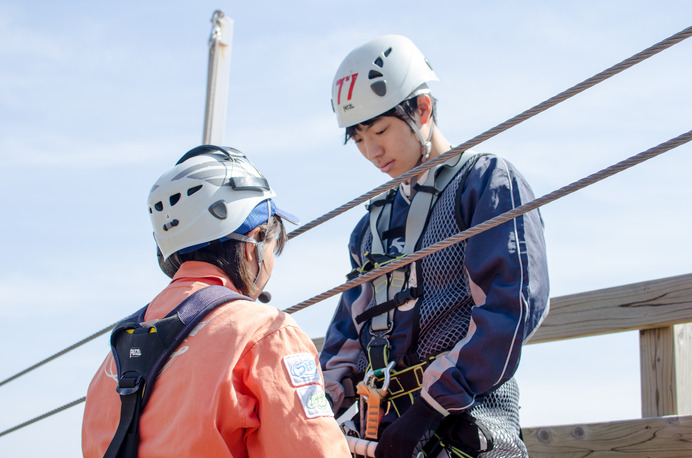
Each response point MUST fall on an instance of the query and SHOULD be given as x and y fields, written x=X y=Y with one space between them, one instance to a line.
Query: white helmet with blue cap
x=211 y=193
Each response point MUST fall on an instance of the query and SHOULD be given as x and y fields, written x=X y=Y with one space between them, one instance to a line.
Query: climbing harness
x=141 y=348
x=403 y=385
x=390 y=290
x=383 y=387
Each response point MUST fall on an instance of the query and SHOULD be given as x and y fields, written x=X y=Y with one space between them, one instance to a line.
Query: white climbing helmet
x=211 y=192
x=376 y=77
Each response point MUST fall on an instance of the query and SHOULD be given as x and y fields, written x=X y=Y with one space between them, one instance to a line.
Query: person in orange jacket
x=246 y=380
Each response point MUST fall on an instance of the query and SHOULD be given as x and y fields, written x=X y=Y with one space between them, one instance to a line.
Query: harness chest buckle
x=129 y=383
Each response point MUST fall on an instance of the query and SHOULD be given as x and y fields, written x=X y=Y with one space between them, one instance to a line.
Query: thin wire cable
x=496 y=221
x=58 y=354
x=627 y=63
x=499 y=219
x=541 y=107
x=45 y=415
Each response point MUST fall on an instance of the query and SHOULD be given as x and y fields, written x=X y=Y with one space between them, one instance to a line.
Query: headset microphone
x=264 y=297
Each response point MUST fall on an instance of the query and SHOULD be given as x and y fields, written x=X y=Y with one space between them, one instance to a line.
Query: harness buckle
x=129 y=383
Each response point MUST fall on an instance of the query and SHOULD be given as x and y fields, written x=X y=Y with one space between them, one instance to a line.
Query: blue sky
x=98 y=99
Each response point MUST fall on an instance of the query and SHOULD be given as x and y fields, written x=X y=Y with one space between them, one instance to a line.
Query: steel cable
x=668 y=42
x=477 y=229
x=541 y=107
x=58 y=354
x=574 y=90
x=499 y=219
x=45 y=415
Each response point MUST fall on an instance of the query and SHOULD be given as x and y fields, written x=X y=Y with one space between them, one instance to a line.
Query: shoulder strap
x=390 y=289
x=141 y=348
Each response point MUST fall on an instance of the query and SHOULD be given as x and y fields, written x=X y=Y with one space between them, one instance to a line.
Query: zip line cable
x=541 y=107
x=574 y=90
x=477 y=229
x=58 y=354
x=499 y=219
x=45 y=415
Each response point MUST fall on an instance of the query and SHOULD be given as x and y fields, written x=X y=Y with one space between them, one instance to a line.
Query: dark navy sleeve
x=508 y=275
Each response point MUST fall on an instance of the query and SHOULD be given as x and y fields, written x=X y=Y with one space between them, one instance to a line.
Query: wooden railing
x=662 y=312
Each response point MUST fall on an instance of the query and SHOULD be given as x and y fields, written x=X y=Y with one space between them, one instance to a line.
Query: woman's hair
x=229 y=255
x=409 y=106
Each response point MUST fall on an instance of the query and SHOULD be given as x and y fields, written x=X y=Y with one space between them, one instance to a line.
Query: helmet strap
x=426 y=144
x=259 y=250
x=259 y=254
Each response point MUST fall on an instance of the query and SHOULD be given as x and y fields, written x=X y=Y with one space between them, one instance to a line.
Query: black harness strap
x=141 y=348
x=400 y=298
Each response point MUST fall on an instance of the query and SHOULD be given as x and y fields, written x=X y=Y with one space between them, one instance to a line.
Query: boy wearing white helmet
x=245 y=381
x=444 y=333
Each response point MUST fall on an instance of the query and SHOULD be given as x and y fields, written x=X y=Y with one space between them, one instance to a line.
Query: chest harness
x=141 y=348
x=393 y=290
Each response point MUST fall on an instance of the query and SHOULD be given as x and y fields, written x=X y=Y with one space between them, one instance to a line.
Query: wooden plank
x=645 y=305
x=657 y=368
x=666 y=374
x=683 y=367
x=660 y=437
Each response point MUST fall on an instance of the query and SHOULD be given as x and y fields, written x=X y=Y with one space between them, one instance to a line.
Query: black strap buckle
x=129 y=383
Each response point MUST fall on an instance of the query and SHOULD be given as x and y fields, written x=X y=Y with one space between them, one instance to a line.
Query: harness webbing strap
x=141 y=348
x=400 y=298
x=126 y=439
x=404 y=384
x=388 y=288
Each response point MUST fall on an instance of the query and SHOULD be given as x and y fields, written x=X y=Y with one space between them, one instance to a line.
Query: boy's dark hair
x=409 y=106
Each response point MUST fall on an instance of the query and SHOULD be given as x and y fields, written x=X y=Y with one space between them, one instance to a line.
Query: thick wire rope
x=58 y=354
x=541 y=107
x=45 y=415
x=574 y=90
x=477 y=229
x=499 y=219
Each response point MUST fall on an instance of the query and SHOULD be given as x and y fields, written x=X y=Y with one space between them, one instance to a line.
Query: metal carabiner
x=370 y=376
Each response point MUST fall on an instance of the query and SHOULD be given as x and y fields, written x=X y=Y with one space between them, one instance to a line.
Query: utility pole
x=217 y=78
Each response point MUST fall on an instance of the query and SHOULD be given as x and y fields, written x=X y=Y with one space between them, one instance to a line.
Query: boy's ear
x=424 y=107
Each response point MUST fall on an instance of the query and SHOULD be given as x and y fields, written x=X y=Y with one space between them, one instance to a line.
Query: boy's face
x=390 y=144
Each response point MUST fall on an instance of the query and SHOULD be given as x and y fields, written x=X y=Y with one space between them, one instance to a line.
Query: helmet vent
x=374 y=74
x=379 y=88
x=174 y=199
x=170 y=225
x=194 y=189
x=158 y=206
x=387 y=52
x=218 y=209
x=379 y=62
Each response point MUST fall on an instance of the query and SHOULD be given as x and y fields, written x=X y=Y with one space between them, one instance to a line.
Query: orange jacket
x=245 y=382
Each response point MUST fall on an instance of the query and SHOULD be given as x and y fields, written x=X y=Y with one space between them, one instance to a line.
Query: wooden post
x=666 y=370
